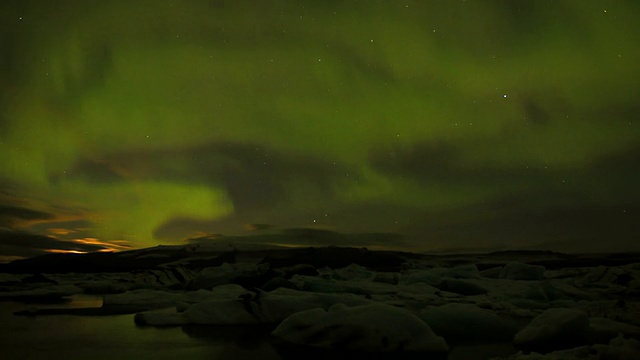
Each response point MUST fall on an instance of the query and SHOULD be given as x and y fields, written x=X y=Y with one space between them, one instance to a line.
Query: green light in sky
x=506 y=87
x=133 y=210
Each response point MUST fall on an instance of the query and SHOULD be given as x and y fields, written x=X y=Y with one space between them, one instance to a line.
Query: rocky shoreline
x=353 y=300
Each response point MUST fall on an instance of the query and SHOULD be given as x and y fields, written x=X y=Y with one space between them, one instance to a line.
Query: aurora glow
x=461 y=124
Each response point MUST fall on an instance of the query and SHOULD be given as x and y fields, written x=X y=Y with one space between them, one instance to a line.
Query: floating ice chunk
x=371 y=328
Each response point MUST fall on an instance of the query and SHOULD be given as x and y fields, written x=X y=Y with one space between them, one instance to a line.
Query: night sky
x=461 y=125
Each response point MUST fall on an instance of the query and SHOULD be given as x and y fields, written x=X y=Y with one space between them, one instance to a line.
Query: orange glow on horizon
x=54 y=219
x=9 y=258
x=61 y=231
x=115 y=245
x=59 y=251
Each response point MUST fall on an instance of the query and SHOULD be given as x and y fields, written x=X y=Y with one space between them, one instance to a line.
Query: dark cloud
x=312 y=237
x=258 y=227
x=259 y=181
x=422 y=161
x=9 y=215
x=255 y=176
x=182 y=227
x=445 y=163
x=40 y=243
x=527 y=206
x=91 y=171
x=9 y=253
x=358 y=64
x=526 y=221
x=535 y=112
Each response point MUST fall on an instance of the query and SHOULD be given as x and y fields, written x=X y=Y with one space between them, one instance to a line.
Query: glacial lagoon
x=486 y=306
x=67 y=337
x=71 y=337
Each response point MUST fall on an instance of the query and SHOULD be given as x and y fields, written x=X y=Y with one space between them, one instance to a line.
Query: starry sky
x=459 y=125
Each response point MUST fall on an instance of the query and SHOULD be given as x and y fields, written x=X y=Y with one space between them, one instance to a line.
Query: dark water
x=117 y=337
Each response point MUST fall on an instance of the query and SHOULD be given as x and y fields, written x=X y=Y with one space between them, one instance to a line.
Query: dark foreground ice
x=190 y=302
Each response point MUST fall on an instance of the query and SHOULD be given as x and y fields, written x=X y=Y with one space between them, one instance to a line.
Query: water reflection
x=237 y=342
x=117 y=337
x=247 y=337
x=68 y=337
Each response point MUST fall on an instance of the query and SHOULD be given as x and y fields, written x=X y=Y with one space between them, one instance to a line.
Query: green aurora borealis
x=460 y=124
